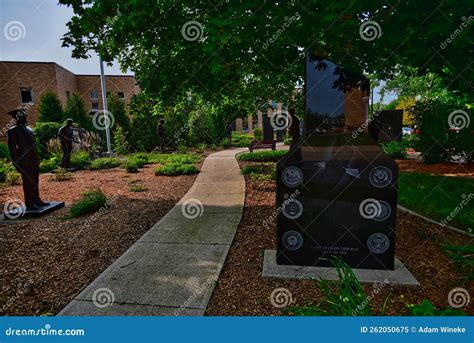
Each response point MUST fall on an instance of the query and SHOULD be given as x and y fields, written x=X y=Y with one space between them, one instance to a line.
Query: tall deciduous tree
x=75 y=110
x=257 y=47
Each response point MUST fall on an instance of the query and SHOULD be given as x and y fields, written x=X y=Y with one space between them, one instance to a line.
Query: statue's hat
x=18 y=113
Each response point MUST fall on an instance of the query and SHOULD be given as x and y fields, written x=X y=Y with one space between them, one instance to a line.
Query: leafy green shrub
x=426 y=308
x=5 y=168
x=61 y=174
x=50 y=108
x=261 y=171
x=13 y=178
x=344 y=297
x=105 y=163
x=252 y=169
x=463 y=258
x=50 y=164
x=395 y=149
x=201 y=147
x=120 y=141
x=173 y=169
x=131 y=166
x=142 y=135
x=181 y=149
x=75 y=109
x=411 y=141
x=141 y=156
x=80 y=159
x=241 y=140
x=225 y=144
x=184 y=158
x=45 y=131
x=258 y=134
x=4 y=152
x=92 y=201
x=262 y=156
x=213 y=147
x=287 y=141
x=116 y=106
x=138 y=188
x=438 y=141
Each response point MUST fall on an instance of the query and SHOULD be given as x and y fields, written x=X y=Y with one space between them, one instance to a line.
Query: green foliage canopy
x=248 y=48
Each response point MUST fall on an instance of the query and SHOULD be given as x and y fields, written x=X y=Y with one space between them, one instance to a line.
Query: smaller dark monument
x=386 y=126
x=268 y=140
x=22 y=147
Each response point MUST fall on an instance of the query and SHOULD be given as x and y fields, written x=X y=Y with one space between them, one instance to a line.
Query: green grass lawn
x=439 y=197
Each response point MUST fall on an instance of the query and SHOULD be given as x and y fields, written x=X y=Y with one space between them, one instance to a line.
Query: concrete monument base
x=400 y=276
x=22 y=212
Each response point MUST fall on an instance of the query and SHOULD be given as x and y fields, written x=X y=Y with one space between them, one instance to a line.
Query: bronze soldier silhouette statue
x=66 y=138
x=22 y=146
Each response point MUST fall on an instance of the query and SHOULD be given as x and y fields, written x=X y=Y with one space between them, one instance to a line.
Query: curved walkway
x=172 y=269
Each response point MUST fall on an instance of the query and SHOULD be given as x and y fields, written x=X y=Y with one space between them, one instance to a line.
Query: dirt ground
x=241 y=290
x=445 y=169
x=44 y=263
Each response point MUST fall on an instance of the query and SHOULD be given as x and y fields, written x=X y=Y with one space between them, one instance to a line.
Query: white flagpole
x=104 y=103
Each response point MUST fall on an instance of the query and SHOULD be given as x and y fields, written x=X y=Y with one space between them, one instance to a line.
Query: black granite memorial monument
x=336 y=188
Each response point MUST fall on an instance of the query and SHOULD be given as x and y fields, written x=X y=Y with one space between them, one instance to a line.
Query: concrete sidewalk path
x=172 y=268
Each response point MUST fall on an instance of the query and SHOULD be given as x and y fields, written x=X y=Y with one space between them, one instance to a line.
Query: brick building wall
x=40 y=77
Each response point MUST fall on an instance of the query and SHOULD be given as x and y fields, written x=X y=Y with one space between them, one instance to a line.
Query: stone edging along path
x=432 y=221
x=172 y=269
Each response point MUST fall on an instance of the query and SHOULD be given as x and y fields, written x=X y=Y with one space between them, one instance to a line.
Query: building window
x=26 y=94
x=95 y=105
x=68 y=94
x=94 y=95
x=121 y=95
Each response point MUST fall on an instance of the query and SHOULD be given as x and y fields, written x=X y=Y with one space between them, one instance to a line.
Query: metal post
x=104 y=104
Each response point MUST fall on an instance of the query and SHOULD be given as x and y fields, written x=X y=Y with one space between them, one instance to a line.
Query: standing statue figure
x=161 y=134
x=22 y=147
x=294 y=129
x=66 y=138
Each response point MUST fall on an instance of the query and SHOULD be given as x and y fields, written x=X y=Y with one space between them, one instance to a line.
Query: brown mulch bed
x=45 y=262
x=444 y=169
x=242 y=291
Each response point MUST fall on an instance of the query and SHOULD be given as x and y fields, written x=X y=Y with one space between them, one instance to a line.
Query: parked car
x=407 y=130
